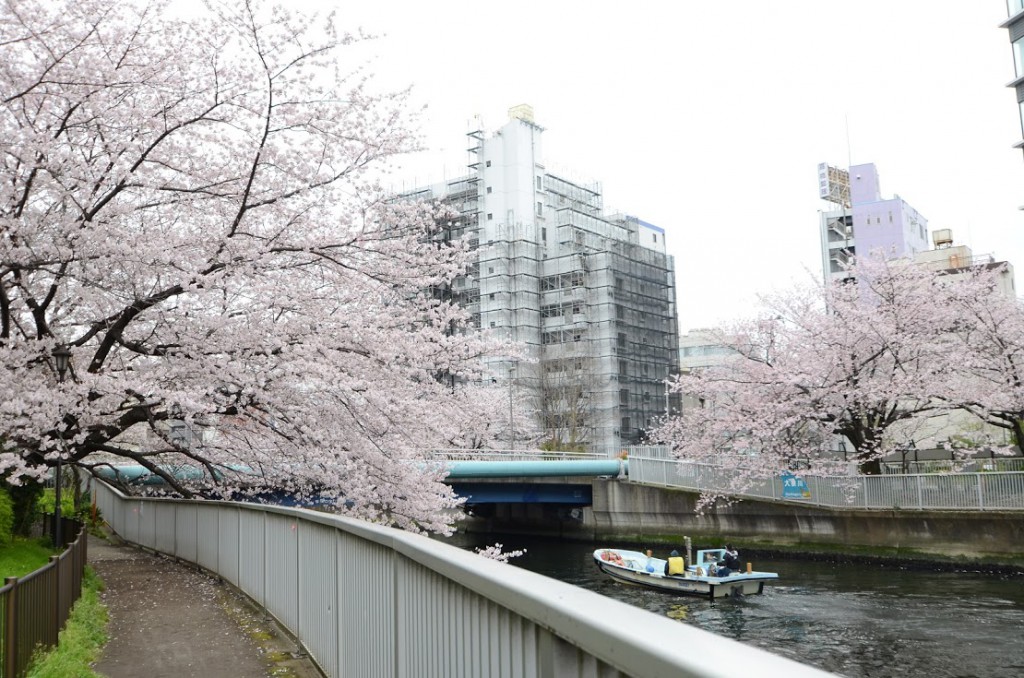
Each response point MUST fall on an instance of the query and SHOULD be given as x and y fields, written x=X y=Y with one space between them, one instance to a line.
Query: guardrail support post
x=11 y=628
x=55 y=560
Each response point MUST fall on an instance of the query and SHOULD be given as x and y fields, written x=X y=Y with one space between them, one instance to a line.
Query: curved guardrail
x=369 y=601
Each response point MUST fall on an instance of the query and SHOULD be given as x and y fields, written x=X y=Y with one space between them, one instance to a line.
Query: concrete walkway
x=169 y=620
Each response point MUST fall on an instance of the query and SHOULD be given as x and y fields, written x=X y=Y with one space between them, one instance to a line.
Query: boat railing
x=984 y=491
x=365 y=600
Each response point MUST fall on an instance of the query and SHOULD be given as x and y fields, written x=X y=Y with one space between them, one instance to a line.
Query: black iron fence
x=34 y=608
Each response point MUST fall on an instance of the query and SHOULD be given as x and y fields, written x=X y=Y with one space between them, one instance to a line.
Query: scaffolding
x=594 y=307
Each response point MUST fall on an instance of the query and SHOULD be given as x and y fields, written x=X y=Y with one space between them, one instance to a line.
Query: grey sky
x=709 y=118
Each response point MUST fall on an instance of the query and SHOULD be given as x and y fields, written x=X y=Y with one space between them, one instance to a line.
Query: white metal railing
x=368 y=601
x=972 y=465
x=511 y=455
x=991 y=491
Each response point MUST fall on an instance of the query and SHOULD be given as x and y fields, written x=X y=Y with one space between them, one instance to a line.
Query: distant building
x=958 y=259
x=701 y=348
x=592 y=295
x=861 y=222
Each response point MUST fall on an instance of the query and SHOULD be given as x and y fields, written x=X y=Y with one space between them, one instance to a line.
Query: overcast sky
x=709 y=118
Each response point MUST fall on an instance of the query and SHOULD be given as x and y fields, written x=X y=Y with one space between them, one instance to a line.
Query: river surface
x=867 y=621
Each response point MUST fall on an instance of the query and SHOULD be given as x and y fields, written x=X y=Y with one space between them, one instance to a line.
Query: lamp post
x=61 y=357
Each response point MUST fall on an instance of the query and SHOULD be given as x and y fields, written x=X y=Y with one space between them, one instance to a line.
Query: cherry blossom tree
x=192 y=208
x=986 y=349
x=868 y=359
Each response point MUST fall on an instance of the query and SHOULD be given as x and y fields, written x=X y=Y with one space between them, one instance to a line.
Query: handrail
x=372 y=601
x=986 y=491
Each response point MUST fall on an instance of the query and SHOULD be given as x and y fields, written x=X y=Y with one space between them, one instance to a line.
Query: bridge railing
x=990 y=491
x=511 y=455
x=370 y=601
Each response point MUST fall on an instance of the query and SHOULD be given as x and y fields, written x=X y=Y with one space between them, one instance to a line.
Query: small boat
x=633 y=567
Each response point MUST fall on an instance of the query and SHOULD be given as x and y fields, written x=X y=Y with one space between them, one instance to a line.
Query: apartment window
x=492 y=323
x=540 y=209
x=543 y=233
x=623 y=367
x=539 y=184
x=655 y=236
x=625 y=424
x=1015 y=7
x=622 y=340
x=491 y=296
x=624 y=396
x=490 y=269
x=488 y=163
x=490 y=216
x=489 y=189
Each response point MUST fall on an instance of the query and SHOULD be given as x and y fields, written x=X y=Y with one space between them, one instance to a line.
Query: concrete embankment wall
x=623 y=512
x=638 y=513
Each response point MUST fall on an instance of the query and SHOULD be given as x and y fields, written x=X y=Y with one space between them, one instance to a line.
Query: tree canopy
x=192 y=207
x=873 y=361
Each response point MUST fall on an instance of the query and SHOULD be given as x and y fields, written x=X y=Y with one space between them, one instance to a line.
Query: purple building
x=862 y=222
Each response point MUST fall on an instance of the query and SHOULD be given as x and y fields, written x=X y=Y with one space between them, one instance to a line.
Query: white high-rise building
x=592 y=295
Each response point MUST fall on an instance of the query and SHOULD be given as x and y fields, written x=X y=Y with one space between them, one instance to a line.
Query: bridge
x=364 y=600
x=528 y=478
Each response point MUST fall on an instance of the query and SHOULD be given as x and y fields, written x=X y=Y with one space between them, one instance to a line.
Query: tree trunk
x=870 y=467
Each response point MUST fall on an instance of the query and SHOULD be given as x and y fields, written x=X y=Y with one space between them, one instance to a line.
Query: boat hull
x=632 y=572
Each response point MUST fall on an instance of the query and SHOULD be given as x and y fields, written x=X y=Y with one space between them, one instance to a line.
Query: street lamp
x=61 y=358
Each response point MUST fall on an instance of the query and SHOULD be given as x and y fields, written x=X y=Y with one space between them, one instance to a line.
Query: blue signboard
x=794 y=487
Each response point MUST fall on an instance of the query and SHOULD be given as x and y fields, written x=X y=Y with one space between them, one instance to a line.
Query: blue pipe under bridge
x=537 y=469
x=138 y=474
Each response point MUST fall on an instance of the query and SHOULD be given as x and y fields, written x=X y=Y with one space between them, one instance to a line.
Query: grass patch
x=82 y=639
x=22 y=556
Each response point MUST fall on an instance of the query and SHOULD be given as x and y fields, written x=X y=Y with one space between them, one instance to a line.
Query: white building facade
x=591 y=295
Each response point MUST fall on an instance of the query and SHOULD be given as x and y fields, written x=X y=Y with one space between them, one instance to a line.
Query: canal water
x=869 y=621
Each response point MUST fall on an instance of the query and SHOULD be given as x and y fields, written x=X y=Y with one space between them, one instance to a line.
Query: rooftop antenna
x=849 y=152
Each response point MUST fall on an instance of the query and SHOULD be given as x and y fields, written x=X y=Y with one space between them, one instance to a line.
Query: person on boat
x=675 y=565
x=613 y=558
x=730 y=562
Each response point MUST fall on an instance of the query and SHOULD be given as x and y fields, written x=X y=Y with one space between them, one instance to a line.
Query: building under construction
x=591 y=295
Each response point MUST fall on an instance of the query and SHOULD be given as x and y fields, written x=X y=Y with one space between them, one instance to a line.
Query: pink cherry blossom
x=194 y=208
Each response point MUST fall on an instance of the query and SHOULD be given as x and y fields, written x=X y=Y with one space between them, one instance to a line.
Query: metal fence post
x=55 y=561
x=920 y=496
x=11 y=628
x=981 y=493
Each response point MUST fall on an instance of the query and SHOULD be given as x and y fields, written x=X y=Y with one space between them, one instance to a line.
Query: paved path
x=169 y=620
